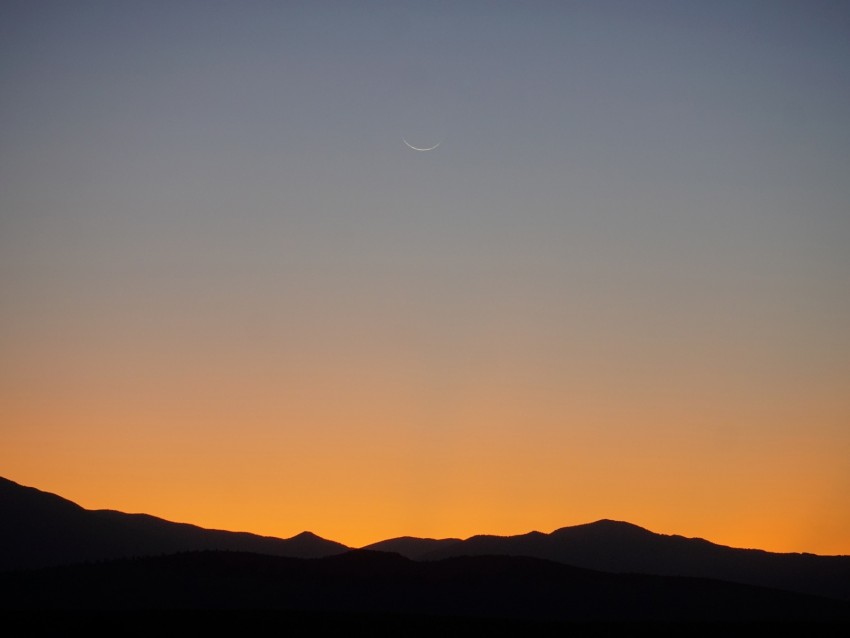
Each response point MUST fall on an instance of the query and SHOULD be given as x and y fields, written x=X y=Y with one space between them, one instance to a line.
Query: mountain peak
x=615 y=524
x=604 y=526
x=307 y=535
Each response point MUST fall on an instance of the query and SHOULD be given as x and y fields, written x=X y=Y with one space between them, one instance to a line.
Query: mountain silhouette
x=387 y=586
x=618 y=547
x=39 y=529
x=417 y=548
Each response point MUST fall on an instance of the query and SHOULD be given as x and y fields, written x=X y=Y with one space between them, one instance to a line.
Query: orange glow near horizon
x=379 y=460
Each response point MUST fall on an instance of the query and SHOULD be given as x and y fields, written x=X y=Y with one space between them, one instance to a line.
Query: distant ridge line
x=40 y=529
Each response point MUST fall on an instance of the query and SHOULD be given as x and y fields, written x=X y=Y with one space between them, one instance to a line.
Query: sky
x=618 y=288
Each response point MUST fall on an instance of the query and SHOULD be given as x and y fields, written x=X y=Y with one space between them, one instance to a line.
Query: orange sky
x=360 y=443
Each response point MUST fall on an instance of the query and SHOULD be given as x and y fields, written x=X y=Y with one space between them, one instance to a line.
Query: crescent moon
x=416 y=148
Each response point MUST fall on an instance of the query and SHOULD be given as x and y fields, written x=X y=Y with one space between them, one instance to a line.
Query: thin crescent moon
x=415 y=148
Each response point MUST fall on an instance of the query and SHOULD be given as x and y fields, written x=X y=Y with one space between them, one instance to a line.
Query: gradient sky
x=620 y=287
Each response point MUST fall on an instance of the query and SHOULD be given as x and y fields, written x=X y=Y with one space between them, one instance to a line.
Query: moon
x=416 y=148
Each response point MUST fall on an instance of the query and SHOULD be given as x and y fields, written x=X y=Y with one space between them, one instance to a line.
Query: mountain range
x=48 y=542
x=40 y=529
x=618 y=547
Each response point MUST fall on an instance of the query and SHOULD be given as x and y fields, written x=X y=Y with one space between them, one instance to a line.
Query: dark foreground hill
x=618 y=547
x=383 y=585
x=39 y=529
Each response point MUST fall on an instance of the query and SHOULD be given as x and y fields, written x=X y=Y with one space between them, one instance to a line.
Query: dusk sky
x=618 y=288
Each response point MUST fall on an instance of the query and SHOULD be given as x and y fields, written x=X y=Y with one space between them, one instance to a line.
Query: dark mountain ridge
x=415 y=548
x=384 y=585
x=619 y=547
x=39 y=529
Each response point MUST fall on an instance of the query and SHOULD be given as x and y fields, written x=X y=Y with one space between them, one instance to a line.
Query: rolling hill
x=39 y=529
x=619 y=547
x=381 y=588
